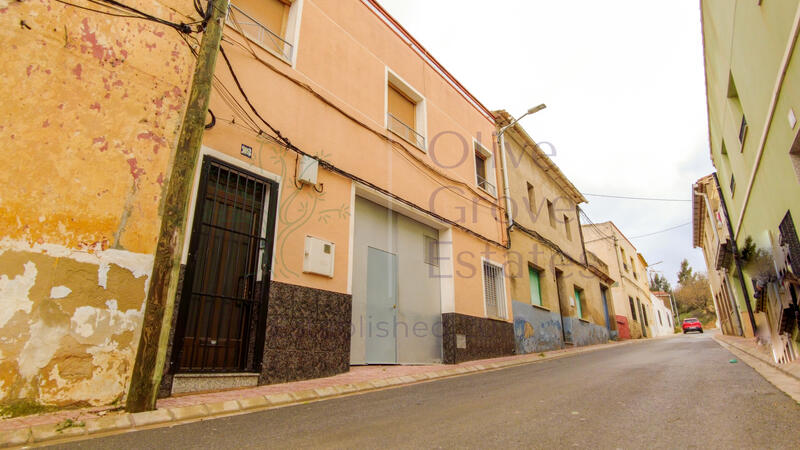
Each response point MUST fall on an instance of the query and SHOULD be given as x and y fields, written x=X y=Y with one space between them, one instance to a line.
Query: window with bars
x=494 y=292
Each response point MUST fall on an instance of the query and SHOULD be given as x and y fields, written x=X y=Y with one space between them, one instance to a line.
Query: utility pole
x=151 y=353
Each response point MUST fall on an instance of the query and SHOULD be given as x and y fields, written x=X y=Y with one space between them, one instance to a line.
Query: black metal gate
x=223 y=304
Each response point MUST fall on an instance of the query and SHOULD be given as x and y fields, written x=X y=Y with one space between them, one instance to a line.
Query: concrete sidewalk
x=785 y=377
x=106 y=420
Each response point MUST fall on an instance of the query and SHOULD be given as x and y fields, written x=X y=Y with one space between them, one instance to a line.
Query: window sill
x=583 y=320
x=487 y=192
x=541 y=307
x=498 y=319
x=422 y=149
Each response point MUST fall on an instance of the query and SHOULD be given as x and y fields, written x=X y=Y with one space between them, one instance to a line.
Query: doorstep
x=82 y=424
x=184 y=383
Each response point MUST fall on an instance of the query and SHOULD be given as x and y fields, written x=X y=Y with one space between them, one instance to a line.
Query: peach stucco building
x=359 y=194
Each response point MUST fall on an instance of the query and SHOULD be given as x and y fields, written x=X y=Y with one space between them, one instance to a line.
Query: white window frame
x=420 y=107
x=491 y=171
x=292 y=33
x=502 y=308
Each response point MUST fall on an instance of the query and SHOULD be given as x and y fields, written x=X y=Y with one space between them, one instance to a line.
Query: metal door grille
x=223 y=300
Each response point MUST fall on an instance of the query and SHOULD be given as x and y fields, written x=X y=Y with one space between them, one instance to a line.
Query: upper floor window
x=484 y=165
x=568 y=227
x=624 y=263
x=633 y=308
x=272 y=24
x=405 y=111
x=736 y=106
x=531 y=197
x=551 y=212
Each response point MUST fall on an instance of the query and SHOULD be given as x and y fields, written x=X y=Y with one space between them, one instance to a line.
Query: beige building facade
x=560 y=295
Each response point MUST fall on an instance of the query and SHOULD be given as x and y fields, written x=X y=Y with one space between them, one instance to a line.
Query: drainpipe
x=736 y=257
x=501 y=141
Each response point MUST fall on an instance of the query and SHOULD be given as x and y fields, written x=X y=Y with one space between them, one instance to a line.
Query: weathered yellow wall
x=91 y=110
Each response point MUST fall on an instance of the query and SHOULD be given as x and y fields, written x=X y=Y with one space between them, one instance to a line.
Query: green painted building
x=753 y=85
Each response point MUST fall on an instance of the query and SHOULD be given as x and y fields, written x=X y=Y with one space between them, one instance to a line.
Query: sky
x=625 y=93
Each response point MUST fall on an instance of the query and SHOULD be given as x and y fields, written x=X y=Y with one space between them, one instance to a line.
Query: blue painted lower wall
x=539 y=330
x=585 y=333
x=535 y=329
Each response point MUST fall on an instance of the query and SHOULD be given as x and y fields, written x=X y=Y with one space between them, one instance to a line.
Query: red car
x=692 y=324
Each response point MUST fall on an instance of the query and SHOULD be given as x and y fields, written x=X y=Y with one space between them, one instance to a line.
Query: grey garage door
x=396 y=289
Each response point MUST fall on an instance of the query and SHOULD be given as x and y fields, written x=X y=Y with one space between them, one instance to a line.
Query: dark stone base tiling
x=308 y=334
x=485 y=338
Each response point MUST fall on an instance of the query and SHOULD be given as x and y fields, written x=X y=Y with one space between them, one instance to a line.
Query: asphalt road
x=668 y=393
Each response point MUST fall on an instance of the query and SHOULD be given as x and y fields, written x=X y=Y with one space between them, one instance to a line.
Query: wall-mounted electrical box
x=318 y=256
x=307 y=169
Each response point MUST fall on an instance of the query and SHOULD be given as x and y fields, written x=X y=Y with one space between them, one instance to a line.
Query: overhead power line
x=625 y=197
x=662 y=231
x=117 y=9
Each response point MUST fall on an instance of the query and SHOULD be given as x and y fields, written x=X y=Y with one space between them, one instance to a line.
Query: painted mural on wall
x=585 y=333
x=535 y=329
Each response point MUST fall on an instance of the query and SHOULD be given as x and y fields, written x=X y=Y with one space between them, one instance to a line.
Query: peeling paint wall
x=91 y=111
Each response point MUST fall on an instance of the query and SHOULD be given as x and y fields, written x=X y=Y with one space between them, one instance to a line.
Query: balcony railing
x=257 y=32
x=484 y=184
x=399 y=128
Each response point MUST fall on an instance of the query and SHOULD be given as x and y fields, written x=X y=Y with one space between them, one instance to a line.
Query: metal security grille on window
x=257 y=32
x=493 y=290
x=404 y=131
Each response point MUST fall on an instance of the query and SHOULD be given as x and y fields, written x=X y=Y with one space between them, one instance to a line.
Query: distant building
x=710 y=233
x=631 y=294
x=663 y=321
